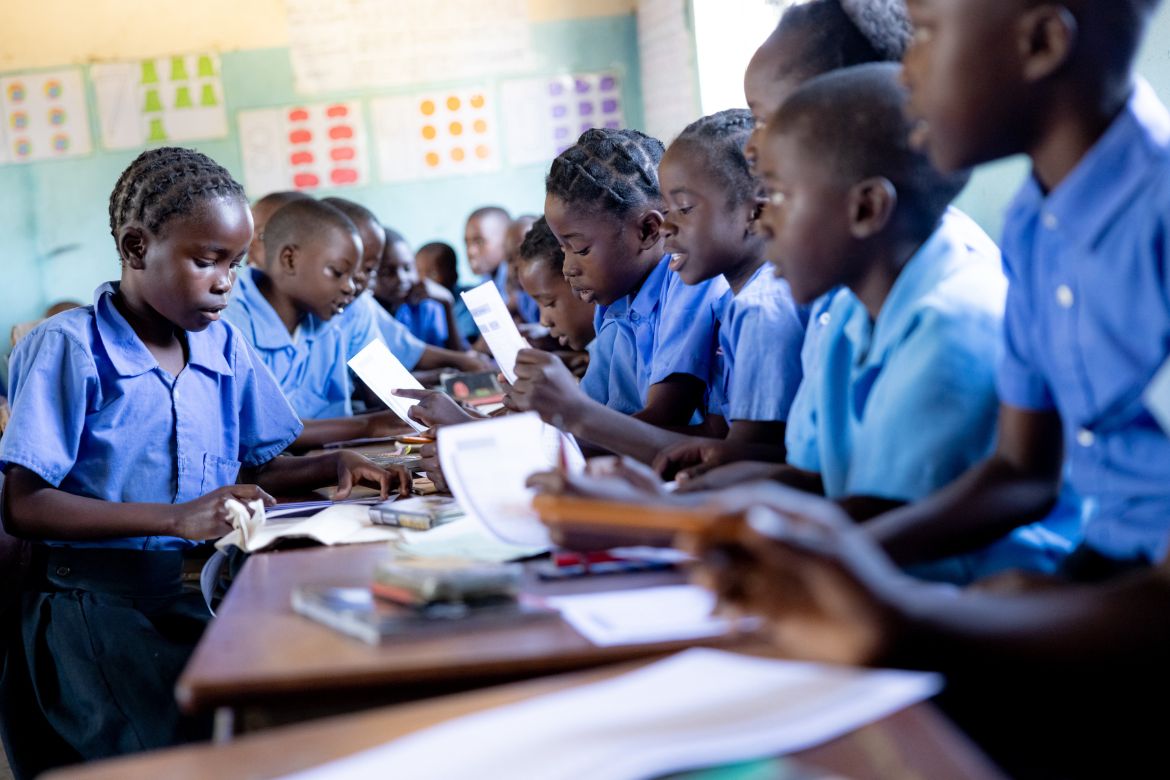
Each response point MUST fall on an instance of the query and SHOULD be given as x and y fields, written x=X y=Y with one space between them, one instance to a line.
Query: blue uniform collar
x=130 y=357
x=268 y=330
x=650 y=293
x=1134 y=147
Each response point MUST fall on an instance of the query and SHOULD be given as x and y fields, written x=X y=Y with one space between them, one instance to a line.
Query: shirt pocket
x=218 y=472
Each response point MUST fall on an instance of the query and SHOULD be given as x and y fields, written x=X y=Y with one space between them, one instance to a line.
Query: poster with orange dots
x=44 y=116
x=304 y=147
x=429 y=134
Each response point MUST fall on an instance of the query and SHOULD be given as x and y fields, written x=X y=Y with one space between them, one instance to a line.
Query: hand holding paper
x=384 y=373
x=496 y=325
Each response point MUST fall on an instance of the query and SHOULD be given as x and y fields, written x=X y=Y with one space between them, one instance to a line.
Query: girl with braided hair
x=134 y=422
x=655 y=335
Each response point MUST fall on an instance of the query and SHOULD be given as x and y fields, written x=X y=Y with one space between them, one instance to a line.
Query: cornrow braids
x=718 y=139
x=842 y=33
x=540 y=244
x=165 y=183
x=615 y=170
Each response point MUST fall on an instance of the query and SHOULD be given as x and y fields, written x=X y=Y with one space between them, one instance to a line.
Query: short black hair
x=280 y=198
x=611 y=170
x=843 y=33
x=444 y=253
x=490 y=212
x=165 y=183
x=355 y=211
x=1112 y=32
x=871 y=138
x=719 y=139
x=295 y=222
x=393 y=237
x=540 y=244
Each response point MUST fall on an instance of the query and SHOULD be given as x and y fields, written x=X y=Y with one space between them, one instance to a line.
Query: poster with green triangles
x=160 y=100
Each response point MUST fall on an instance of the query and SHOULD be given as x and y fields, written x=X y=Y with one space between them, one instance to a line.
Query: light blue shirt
x=365 y=319
x=906 y=404
x=1087 y=324
x=95 y=415
x=667 y=327
x=426 y=320
x=761 y=332
x=800 y=439
x=309 y=365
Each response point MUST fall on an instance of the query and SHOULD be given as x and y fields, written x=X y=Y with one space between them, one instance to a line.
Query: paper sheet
x=1157 y=397
x=463 y=538
x=384 y=373
x=159 y=100
x=304 y=147
x=487 y=463
x=545 y=116
x=339 y=524
x=699 y=708
x=44 y=116
x=496 y=325
x=646 y=615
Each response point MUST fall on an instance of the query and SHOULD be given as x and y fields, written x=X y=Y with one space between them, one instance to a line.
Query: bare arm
x=437 y=357
x=318 y=433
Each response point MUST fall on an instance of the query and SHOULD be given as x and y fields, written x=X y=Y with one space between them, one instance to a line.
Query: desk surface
x=916 y=742
x=258 y=652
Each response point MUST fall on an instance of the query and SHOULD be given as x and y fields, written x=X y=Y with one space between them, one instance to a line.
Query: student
x=489 y=232
x=133 y=421
x=656 y=335
x=540 y=263
x=396 y=279
x=262 y=211
x=437 y=261
x=520 y=303
x=1085 y=258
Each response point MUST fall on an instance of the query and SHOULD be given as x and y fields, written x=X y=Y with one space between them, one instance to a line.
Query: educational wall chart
x=303 y=147
x=357 y=44
x=435 y=133
x=544 y=116
x=162 y=100
x=44 y=116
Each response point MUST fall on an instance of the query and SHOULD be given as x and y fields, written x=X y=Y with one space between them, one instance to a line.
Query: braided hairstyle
x=718 y=140
x=842 y=33
x=541 y=245
x=613 y=170
x=165 y=183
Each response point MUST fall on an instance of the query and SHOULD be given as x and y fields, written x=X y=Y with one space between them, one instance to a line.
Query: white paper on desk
x=486 y=464
x=339 y=524
x=646 y=615
x=496 y=326
x=1157 y=397
x=463 y=538
x=699 y=708
x=384 y=373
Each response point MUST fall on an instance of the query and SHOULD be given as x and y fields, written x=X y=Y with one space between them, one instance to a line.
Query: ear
x=649 y=228
x=132 y=244
x=1047 y=36
x=287 y=260
x=872 y=203
x=755 y=210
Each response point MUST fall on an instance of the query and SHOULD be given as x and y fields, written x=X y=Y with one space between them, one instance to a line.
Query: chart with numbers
x=44 y=116
x=545 y=116
x=436 y=133
x=161 y=100
x=303 y=147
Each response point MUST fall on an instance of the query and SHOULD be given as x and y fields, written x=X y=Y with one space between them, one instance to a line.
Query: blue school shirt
x=309 y=365
x=426 y=320
x=800 y=440
x=761 y=332
x=667 y=327
x=1088 y=324
x=93 y=414
x=365 y=319
x=526 y=305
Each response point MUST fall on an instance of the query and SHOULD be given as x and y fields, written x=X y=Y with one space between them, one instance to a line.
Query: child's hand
x=435 y=409
x=430 y=464
x=543 y=384
x=5 y=413
x=207 y=517
x=354 y=469
x=826 y=589
x=576 y=362
x=385 y=423
x=726 y=476
x=694 y=457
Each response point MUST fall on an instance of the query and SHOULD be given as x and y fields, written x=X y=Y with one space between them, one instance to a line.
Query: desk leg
x=224 y=725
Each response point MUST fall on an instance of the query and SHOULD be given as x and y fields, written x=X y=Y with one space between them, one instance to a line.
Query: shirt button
x=1050 y=220
x=1064 y=296
x=1085 y=437
x=824 y=319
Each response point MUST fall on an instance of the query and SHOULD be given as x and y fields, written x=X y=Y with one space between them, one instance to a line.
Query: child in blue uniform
x=657 y=334
x=396 y=278
x=133 y=421
x=540 y=263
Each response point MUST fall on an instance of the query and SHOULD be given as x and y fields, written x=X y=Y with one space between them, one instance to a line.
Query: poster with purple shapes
x=544 y=116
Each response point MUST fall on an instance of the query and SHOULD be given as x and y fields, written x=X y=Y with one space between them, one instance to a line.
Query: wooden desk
x=914 y=743
x=258 y=653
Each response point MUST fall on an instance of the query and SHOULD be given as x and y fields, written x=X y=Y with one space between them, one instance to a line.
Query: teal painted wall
x=53 y=219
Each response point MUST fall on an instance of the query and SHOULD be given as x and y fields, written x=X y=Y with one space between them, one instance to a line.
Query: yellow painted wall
x=45 y=33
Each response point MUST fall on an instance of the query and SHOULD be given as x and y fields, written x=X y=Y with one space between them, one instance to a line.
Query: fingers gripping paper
x=496 y=325
x=384 y=373
x=486 y=465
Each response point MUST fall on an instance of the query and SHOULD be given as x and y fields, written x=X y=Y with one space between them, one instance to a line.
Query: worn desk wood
x=259 y=653
x=914 y=743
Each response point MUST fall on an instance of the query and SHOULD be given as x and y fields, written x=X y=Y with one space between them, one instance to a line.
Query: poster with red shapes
x=304 y=147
